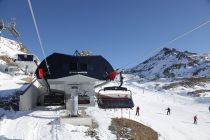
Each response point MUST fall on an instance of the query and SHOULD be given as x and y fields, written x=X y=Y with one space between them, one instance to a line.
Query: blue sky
x=123 y=31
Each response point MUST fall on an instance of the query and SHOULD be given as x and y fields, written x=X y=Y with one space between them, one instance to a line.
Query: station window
x=25 y=57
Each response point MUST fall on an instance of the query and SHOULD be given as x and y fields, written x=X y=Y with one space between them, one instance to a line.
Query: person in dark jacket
x=209 y=108
x=121 y=79
x=168 y=111
x=137 y=110
x=195 y=119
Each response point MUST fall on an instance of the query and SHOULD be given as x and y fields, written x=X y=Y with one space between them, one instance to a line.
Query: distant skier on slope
x=195 y=119
x=121 y=79
x=168 y=111
x=137 y=110
x=209 y=108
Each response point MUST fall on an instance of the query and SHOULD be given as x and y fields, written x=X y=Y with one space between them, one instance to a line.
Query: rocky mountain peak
x=170 y=62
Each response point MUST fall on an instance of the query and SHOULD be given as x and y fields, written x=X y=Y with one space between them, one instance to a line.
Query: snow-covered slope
x=170 y=63
x=42 y=123
x=8 y=49
x=10 y=83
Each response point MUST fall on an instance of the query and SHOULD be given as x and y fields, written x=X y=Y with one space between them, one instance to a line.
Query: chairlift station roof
x=63 y=65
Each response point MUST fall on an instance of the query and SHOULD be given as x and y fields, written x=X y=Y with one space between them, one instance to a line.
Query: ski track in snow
x=31 y=125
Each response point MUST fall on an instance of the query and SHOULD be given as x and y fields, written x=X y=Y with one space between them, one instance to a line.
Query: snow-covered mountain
x=171 y=63
x=8 y=49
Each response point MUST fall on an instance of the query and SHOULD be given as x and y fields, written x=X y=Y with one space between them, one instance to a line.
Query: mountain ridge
x=171 y=63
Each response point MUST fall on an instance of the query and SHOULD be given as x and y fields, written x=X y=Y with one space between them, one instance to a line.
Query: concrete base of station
x=78 y=121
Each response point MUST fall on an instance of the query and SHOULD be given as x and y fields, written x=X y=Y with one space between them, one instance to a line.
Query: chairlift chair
x=115 y=97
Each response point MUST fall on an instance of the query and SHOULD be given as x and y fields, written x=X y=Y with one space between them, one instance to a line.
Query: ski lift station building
x=70 y=80
x=26 y=62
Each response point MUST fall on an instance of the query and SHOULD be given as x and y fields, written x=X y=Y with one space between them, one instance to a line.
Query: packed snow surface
x=43 y=122
x=39 y=124
x=10 y=84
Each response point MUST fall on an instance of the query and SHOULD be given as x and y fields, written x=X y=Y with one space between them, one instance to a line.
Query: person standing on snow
x=168 y=111
x=137 y=110
x=209 y=108
x=195 y=119
x=121 y=79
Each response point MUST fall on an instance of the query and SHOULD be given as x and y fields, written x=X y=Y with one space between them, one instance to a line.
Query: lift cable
x=185 y=33
x=171 y=41
x=37 y=31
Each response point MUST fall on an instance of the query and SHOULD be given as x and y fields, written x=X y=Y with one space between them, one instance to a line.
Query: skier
x=195 y=119
x=209 y=108
x=121 y=79
x=168 y=111
x=137 y=110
